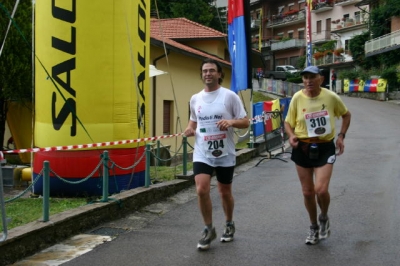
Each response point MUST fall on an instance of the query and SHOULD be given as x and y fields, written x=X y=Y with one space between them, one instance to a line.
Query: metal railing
x=280 y=19
x=384 y=42
x=293 y=43
x=328 y=59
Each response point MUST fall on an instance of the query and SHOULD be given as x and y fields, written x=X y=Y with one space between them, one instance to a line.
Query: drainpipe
x=154 y=92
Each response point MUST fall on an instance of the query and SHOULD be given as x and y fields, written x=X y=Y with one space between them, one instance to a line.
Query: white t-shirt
x=212 y=146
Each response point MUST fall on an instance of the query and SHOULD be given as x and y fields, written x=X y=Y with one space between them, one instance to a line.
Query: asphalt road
x=271 y=221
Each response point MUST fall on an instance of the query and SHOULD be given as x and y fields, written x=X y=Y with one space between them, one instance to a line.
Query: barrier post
x=147 y=172
x=264 y=127
x=105 y=176
x=251 y=134
x=184 y=159
x=46 y=191
x=3 y=207
x=158 y=153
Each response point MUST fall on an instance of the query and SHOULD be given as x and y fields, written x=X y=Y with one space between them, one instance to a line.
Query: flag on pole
x=239 y=44
x=260 y=31
x=308 y=24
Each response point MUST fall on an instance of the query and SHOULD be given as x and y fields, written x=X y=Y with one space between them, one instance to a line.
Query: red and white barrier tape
x=94 y=145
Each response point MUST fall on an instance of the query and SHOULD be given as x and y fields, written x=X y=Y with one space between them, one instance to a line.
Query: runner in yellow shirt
x=310 y=125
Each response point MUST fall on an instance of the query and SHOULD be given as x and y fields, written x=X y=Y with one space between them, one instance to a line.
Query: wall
x=395 y=24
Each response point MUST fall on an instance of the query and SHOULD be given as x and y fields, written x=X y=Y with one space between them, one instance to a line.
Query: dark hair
x=219 y=68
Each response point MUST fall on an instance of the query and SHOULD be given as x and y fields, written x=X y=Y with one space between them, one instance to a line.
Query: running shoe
x=324 y=228
x=229 y=231
x=207 y=237
x=312 y=237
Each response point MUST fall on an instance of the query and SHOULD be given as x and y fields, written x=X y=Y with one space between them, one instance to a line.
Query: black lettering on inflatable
x=67 y=47
x=142 y=60
x=69 y=108
x=62 y=14
x=142 y=16
x=64 y=67
x=141 y=114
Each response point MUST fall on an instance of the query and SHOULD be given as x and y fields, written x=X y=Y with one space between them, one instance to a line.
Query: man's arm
x=190 y=129
x=224 y=124
x=345 y=126
x=293 y=141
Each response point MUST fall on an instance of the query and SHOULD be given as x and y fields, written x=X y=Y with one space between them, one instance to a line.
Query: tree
x=16 y=57
x=201 y=11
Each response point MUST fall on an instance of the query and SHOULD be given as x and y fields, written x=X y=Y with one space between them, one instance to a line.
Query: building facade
x=279 y=30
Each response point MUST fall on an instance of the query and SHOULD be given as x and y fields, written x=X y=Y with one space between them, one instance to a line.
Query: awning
x=155 y=72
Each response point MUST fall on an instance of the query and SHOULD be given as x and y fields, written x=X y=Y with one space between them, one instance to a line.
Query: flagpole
x=308 y=26
x=246 y=7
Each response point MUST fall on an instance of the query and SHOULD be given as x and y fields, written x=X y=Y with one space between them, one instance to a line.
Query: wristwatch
x=343 y=134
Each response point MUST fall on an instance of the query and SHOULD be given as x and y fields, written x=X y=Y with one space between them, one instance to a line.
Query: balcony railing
x=346 y=2
x=264 y=43
x=383 y=43
x=322 y=5
x=350 y=22
x=282 y=20
x=328 y=59
x=293 y=43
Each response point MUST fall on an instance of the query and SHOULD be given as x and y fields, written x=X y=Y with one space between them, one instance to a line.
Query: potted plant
x=338 y=51
x=318 y=55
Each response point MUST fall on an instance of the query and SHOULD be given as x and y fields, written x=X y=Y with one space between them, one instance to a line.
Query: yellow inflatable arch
x=91 y=86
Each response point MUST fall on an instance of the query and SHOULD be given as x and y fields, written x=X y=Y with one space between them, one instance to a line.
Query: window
x=167 y=117
x=328 y=24
x=301 y=34
x=293 y=60
x=319 y=26
x=346 y=46
x=290 y=34
x=302 y=4
x=357 y=16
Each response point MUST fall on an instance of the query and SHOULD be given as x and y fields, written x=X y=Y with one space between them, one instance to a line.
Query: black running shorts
x=326 y=154
x=224 y=174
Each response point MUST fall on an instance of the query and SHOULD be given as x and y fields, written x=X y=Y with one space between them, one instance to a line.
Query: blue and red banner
x=239 y=48
x=371 y=85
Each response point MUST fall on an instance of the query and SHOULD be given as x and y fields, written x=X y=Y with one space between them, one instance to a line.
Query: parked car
x=280 y=72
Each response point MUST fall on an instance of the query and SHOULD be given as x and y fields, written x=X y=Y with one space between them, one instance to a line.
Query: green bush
x=349 y=74
x=390 y=74
x=295 y=79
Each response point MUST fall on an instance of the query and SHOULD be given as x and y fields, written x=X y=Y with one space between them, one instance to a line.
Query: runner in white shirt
x=214 y=112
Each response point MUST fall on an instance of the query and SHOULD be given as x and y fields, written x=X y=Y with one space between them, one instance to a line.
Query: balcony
x=328 y=60
x=346 y=2
x=383 y=44
x=322 y=6
x=349 y=23
x=282 y=20
x=289 y=44
x=255 y=44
